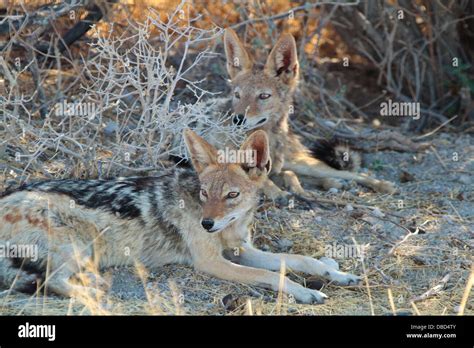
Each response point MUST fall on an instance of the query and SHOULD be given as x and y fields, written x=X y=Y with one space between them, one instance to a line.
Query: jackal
x=182 y=216
x=262 y=99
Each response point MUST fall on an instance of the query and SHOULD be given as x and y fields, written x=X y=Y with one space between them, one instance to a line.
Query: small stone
x=377 y=213
x=330 y=123
x=229 y=301
x=333 y=191
x=465 y=179
x=371 y=220
x=349 y=207
x=111 y=128
x=357 y=214
x=232 y=303
x=318 y=219
x=406 y=177
x=284 y=244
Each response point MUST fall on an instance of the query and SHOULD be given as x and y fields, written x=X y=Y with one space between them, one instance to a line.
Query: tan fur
x=165 y=228
x=279 y=78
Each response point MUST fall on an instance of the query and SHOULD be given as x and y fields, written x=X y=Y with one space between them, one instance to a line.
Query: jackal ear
x=257 y=143
x=237 y=57
x=283 y=59
x=202 y=153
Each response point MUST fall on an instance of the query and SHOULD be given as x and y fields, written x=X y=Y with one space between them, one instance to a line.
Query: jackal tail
x=337 y=154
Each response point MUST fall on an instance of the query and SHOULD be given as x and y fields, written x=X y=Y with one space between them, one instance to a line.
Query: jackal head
x=228 y=190
x=261 y=96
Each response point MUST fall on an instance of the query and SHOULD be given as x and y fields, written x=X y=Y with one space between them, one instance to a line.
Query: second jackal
x=262 y=99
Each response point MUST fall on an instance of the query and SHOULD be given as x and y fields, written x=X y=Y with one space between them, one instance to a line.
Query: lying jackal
x=177 y=217
x=262 y=99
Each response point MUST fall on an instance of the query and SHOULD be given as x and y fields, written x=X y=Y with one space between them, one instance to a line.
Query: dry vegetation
x=152 y=68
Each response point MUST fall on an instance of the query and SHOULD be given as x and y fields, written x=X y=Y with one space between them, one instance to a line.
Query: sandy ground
x=436 y=196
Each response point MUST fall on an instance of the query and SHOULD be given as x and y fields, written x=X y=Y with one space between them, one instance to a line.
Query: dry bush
x=116 y=110
x=422 y=51
x=409 y=51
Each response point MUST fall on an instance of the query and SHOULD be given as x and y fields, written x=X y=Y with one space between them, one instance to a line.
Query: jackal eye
x=264 y=96
x=237 y=95
x=204 y=193
x=233 y=194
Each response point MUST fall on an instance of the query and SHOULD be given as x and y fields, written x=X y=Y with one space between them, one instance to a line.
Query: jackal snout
x=240 y=119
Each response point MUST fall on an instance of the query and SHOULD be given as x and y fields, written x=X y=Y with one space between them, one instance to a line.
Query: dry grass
x=403 y=270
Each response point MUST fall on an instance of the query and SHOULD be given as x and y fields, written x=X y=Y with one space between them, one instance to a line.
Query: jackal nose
x=239 y=119
x=207 y=223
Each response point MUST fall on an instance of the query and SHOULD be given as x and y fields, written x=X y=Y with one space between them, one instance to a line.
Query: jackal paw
x=328 y=183
x=342 y=278
x=91 y=280
x=86 y=292
x=386 y=187
x=305 y=201
x=283 y=199
x=309 y=296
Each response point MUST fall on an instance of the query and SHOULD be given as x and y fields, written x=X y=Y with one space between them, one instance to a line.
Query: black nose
x=239 y=119
x=207 y=223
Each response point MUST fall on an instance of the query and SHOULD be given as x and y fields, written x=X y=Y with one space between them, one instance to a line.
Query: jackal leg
x=289 y=181
x=53 y=273
x=273 y=192
x=309 y=166
x=224 y=269
x=71 y=274
x=207 y=254
x=292 y=182
x=57 y=261
x=250 y=256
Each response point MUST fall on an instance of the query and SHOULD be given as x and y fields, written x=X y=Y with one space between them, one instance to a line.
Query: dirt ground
x=435 y=204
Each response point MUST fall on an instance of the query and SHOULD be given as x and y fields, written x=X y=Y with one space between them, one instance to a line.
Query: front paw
x=386 y=187
x=283 y=200
x=309 y=296
x=342 y=278
x=329 y=183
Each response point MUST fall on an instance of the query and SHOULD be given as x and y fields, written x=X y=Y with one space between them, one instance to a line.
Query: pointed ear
x=202 y=153
x=257 y=143
x=283 y=59
x=237 y=57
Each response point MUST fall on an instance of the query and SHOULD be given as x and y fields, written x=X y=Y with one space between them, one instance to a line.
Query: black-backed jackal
x=262 y=99
x=177 y=217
